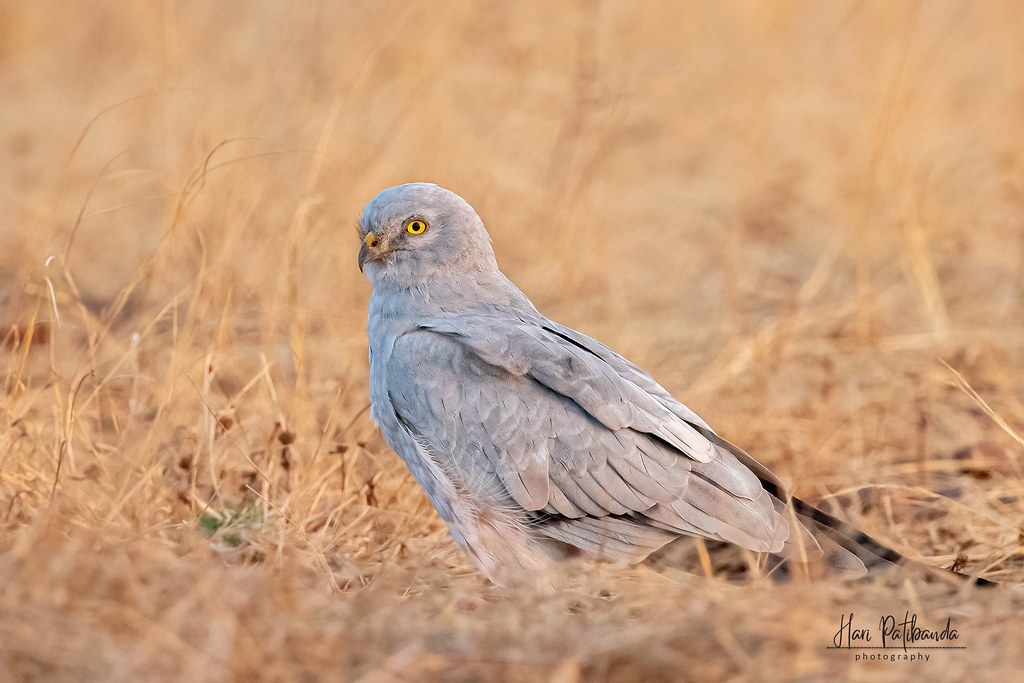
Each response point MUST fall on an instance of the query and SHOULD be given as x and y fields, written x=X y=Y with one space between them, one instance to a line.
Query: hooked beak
x=368 y=250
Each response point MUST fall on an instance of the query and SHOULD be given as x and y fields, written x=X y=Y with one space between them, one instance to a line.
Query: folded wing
x=580 y=442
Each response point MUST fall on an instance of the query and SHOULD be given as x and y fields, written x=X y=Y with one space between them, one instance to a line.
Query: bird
x=536 y=443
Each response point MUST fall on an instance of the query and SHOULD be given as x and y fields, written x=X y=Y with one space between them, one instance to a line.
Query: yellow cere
x=416 y=227
x=370 y=240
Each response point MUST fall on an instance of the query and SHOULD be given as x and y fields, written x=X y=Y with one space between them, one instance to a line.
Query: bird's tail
x=844 y=546
x=838 y=538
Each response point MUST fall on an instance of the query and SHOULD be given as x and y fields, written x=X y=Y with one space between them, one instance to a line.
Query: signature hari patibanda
x=894 y=634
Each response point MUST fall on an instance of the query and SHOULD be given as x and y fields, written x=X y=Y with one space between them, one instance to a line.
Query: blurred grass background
x=792 y=213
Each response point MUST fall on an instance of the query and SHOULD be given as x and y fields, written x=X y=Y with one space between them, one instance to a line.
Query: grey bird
x=535 y=442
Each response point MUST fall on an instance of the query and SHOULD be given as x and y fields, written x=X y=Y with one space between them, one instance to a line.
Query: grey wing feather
x=615 y=537
x=589 y=448
x=628 y=369
x=608 y=387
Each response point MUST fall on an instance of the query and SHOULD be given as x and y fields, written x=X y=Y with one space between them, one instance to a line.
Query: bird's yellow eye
x=416 y=227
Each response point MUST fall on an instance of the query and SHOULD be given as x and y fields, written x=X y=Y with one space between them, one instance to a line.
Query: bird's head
x=410 y=232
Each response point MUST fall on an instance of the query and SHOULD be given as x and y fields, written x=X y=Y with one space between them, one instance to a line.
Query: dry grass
x=790 y=212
